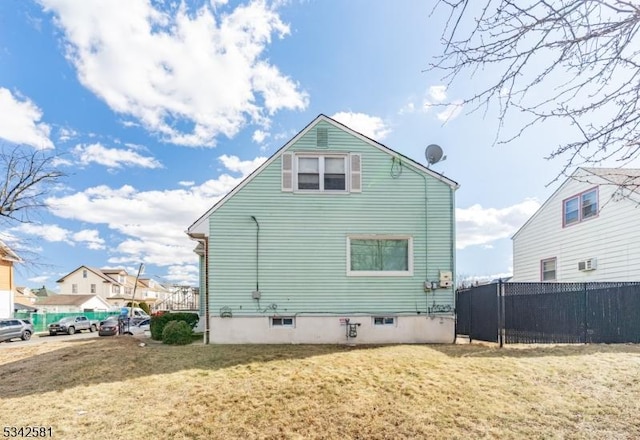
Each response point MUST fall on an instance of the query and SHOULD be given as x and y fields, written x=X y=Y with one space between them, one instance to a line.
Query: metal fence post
x=585 y=333
x=500 y=314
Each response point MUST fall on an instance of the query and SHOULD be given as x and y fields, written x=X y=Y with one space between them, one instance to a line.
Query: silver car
x=15 y=328
x=141 y=328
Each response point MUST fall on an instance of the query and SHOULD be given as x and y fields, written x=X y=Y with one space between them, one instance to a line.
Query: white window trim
x=347 y=173
x=383 y=317
x=382 y=273
x=292 y=325
x=555 y=269
x=579 y=197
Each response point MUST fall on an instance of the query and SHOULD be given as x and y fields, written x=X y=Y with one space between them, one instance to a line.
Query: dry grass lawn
x=110 y=388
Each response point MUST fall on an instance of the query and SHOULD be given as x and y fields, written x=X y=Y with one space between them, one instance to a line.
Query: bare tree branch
x=27 y=177
x=573 y=60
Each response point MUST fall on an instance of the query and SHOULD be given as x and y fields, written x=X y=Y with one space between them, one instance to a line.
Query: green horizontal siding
x=303 y=239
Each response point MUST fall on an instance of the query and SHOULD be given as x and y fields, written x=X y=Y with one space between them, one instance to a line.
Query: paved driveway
x=44 y=338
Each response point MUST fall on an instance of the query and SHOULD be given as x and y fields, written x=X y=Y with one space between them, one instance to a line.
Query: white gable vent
x=588 y=264
x=322 y=137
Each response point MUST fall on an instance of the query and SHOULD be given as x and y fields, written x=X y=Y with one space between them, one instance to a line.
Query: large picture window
x=379 y=255
x=322 y=173
x=580 y=207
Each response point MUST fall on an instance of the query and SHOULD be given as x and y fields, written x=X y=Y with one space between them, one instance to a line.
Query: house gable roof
x=7 y=254
x=195 y=230
x=67 y=300
x=97 y=272
x=629 y=177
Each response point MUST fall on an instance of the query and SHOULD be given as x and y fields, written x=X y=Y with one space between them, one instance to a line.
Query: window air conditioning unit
x=589 y=264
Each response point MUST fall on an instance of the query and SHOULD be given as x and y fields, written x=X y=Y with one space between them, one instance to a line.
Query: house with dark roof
x=587 y=230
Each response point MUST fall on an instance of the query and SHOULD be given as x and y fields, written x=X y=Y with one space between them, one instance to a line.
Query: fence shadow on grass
x=485 y=350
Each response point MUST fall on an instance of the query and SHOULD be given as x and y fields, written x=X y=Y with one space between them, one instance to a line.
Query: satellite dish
x=433 y=154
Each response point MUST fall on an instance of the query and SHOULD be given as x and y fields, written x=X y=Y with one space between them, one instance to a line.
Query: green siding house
x=334 y=239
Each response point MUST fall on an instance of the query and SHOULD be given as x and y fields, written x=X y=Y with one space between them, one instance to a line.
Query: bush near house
x=158 y=322
x=177 y=333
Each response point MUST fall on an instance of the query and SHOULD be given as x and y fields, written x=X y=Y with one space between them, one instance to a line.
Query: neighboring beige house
x=73 y=304
x=24 y=296
x=588 y=230
x=115 y=286
x=7 y=281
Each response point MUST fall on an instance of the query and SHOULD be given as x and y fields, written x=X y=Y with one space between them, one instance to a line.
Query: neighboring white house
x=588 y=230
x=116 y=286
x=73 y=304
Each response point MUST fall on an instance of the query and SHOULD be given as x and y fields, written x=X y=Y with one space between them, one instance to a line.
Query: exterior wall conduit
x=256 y=294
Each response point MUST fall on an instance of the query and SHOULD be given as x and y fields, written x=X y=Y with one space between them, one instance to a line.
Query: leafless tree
x=573 y=60
x=27 y=178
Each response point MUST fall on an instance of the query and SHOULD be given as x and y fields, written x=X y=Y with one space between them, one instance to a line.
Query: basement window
x=384 y=320
x=282 y=321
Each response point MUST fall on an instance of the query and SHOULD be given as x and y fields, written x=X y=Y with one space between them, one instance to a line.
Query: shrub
x=177 y=333
x=158 y=322
x=144 y=306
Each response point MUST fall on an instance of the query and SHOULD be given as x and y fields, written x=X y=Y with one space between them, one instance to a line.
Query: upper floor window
x=548 y=269
x=327 y=172
x=93 y=288
x=74 y=288
x=84 y=273
x=322 y=173
x=580 y=207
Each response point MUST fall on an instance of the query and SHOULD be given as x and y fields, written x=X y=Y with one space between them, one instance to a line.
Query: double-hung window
x=548 y=269
x=379 y=255
x=322 y=173
x=580 y=207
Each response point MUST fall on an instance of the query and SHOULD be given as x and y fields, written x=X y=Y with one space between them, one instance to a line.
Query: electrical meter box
x=446 y=279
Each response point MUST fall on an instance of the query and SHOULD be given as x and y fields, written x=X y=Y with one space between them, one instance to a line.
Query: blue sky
x=159 y=108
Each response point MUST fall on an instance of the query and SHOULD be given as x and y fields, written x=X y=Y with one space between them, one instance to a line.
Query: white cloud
x=39 y=280
x=66 y=134
x=259 y=136
x=451 y=112
x=152 y=223
x=186 y=75
x=91 y=237
x=370 y=126
x=50 y=233
x=246 y=167
x=113 y=157
x=19 y=122
x=186 y=183
x=481 y=226
x=54 y=233
x=438 y=93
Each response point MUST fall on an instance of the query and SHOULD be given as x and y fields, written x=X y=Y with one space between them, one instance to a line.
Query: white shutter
x=356 y=172
x=287 y=171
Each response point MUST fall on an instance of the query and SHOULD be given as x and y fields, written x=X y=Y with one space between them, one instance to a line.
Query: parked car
x=72 y=324
x=140 y=328
x=15 y=328
x=110 y=326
